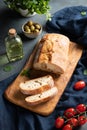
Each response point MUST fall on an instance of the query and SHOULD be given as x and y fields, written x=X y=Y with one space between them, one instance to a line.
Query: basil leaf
x=83 y=13
x=25 y=73
x=7 y=68
x=85 y=72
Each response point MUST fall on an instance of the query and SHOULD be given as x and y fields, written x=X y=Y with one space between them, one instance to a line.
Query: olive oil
x=14 y=45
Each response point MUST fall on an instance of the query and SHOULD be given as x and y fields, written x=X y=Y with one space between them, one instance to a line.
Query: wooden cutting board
x=14 y=95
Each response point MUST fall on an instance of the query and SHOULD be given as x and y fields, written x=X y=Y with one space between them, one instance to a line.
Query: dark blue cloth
x=71 y=22
x=13 y=117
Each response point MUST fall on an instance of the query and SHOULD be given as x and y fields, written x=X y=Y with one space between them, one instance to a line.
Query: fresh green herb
x=7 y=68
x=85 y=72
x=83 y=13
x=38 y=6
x=25 y=73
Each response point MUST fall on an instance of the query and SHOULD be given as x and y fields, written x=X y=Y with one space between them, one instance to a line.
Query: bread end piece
x=52 y=53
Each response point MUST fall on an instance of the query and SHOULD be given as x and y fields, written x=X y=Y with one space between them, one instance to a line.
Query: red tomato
x=81 y=108
x=73 y=122
x=82 y=120
x=59 y=122
x=69 y=112
x=67 y=127
x=79 y=85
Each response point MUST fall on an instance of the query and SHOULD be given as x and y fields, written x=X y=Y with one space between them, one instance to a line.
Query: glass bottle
x=14 y=45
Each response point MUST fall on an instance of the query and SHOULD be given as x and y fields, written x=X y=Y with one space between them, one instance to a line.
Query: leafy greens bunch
x=38 y=6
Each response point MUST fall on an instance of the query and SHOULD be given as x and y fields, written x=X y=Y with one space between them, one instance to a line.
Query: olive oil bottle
x=14 y=45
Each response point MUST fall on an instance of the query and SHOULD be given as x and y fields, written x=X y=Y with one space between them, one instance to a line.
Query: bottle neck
x=12 y=36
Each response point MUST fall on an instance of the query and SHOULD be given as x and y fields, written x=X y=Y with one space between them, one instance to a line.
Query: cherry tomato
x=82 y=120
x=69 y=112
x=81 y=108
x=67 y=127
x=59 y=122
x=79 y=85
x=73 y=122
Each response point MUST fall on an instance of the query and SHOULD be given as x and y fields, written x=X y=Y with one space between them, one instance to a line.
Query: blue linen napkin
x=13 y=117
x=71 y=22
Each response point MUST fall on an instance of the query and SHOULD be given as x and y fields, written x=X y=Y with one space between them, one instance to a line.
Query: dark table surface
x=9 y=19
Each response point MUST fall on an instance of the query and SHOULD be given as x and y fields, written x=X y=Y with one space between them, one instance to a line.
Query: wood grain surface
x=13 y=94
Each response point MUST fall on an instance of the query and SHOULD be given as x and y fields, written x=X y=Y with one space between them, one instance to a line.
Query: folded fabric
x=72 y=22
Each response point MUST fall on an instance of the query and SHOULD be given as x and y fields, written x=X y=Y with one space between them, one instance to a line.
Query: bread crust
x=52 y=53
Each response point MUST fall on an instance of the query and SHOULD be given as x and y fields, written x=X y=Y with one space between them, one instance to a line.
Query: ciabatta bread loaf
x=37 y=85
x=52 y=53
x=42 y=97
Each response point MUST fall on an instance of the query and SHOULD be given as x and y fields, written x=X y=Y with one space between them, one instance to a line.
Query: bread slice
x=52 y=53
x=37 y=85
x=42 y=97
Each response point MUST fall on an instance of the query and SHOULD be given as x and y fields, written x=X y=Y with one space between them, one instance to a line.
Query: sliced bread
x=37 y=85
x=42 y=97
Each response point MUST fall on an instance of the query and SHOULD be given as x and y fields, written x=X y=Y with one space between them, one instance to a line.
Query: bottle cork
x=12 y=31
